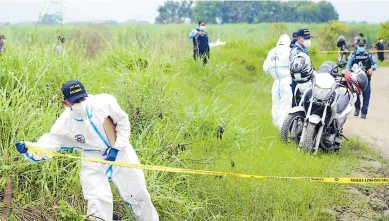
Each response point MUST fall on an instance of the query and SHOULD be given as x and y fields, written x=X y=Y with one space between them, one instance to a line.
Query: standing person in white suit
x=277 y=64
x=82 y=127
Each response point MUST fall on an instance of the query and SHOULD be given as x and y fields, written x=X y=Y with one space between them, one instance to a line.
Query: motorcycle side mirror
x=341 y=64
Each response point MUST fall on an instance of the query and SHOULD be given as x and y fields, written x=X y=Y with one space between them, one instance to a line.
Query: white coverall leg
x=99 y=197
x=132 y=187
x=130 y=183
x=276 y=105
x=281 y=100
x=285 y=101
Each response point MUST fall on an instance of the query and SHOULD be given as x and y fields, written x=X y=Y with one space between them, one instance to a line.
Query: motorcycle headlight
x=321 y=93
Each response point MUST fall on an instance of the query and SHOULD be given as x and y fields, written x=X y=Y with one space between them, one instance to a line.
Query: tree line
x=252 y=12
x=56 y=19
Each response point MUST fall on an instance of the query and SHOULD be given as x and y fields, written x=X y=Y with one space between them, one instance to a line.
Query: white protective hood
x=283 y=41
x=278 y=58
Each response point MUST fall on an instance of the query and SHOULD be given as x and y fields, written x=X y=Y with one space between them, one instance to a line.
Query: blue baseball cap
x=304 y=32
x=295 y=34
x=361 y=42
x=73 y=90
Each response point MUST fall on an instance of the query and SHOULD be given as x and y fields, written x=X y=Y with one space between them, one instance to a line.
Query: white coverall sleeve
x=56 y=140
x=120 y=118
x=266 y=64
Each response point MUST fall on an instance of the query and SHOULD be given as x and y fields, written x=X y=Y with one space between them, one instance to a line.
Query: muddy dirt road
x=374 y=129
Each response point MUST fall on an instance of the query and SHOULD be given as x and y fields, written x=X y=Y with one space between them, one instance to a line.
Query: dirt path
x=374 y=129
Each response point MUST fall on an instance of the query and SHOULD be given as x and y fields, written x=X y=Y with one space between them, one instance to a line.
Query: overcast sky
x=85 y=10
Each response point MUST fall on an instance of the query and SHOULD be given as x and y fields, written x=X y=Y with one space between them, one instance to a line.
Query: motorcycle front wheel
x=292 y=127
x=308 y=141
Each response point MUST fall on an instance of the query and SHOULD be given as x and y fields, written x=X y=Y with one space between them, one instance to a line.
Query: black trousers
x=204 y=55
x=381 y=56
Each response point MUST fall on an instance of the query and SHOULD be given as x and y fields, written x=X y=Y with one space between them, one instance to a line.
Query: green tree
x=174 y=12
x=309 y=12
x=385 y=31
x=264 y=11
x=210 y=12
x=330 y=33
x=51 y=19
x=239 y=12
x=327 y=12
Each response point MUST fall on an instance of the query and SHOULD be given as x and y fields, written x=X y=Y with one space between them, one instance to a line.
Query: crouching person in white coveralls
x=277 y=64
x=81 y=127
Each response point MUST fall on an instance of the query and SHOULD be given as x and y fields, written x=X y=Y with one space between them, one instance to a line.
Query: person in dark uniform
x=294 y=39
x=366 y=59
x=380 y=46
x=301 y=46
x=200 y=43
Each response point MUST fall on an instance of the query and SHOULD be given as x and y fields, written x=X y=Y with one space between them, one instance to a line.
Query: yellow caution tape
x=346 y=180
x=371 y=51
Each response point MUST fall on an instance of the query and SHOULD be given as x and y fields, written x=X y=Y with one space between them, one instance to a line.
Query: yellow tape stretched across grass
x=372 y=51
x=348 y=180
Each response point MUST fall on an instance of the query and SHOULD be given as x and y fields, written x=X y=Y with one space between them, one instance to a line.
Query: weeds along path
x=374 y=129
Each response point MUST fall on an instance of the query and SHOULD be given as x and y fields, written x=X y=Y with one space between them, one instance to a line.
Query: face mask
x=4 y=41
x=202 y=28
x=79 y=110
x=361 y=49
x=307 y=43
x=382 y=41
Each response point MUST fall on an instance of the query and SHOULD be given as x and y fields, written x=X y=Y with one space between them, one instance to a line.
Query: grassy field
x=176 y=106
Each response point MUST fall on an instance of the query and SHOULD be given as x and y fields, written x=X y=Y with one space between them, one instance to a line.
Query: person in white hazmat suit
x=277 y=64
x=81 y=127
x=60 y=46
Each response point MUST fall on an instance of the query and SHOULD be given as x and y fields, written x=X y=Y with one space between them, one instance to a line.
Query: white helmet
x=301 y=68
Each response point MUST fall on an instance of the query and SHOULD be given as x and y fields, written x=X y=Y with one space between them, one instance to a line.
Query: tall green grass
x=176 y=108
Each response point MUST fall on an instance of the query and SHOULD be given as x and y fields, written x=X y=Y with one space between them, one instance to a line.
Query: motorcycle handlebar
x=338 y=75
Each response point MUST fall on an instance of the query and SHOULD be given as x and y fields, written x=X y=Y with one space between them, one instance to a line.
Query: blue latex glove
x=21 y=147
x=112 y=154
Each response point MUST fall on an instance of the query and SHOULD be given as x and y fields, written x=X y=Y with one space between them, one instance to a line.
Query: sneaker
x=363 y=116
x=356 y=112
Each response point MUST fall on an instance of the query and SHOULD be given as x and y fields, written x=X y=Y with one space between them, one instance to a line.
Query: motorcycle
x=292 y=127
x=327 y=105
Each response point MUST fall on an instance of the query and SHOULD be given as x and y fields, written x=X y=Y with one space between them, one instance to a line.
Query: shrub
x=329 y=34
x=385 y=31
